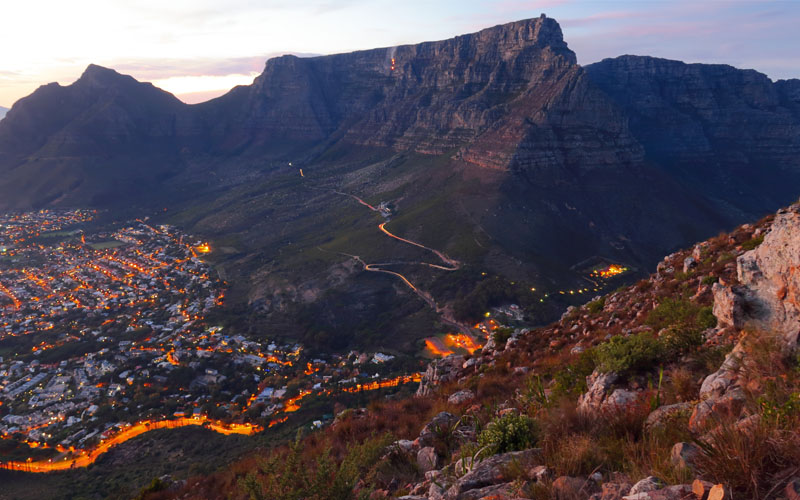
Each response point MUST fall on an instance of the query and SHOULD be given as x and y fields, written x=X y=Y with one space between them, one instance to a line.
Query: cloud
x=162 y=69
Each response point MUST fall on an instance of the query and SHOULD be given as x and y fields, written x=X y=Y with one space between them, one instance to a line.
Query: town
x=103 y=335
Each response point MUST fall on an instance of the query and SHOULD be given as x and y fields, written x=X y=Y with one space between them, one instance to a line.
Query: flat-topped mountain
x=495 y=148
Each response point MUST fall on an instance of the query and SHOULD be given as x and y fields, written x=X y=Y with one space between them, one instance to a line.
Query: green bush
x=509 y=432
x=596 y=306
x=710 y=280
x=753 y=242
x=679 y=341
x=680 y=312
x=631 y=354
x=705 y=318
x=501 y=336
x=571 y=380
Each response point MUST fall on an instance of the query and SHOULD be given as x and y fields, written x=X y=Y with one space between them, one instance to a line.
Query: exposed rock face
x=771 y=274
x=723 y=128
x=438 y=372
x=599 y=396
x=492 y=471
x=728 y=305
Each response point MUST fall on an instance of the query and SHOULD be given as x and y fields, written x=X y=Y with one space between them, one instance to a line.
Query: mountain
x=495 y=149
x=3 y=112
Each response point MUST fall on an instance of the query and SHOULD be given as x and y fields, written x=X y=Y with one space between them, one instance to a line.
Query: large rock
x=771 y=273
x=439 y=371
x=570 y=488
x=441 y=423
x=427 y=459
x=461 y=397
x=600 y=397
x=491 y=471
x=728 y=305
x=650 y=483
x=494 y=492
x=683 y=455
x=666 y=415
x=677 y=492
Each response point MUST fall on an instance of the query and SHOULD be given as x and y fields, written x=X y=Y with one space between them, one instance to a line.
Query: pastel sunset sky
x=198 y=49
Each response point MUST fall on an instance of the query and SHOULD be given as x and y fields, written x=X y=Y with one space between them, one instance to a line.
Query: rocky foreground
x=685 y=385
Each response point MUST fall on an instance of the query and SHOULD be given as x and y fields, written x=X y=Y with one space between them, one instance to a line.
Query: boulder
x=461 y=397
x=493 y=470
x=440 y=371
x=540 y=474
x=494 y=492
x=729 y=303
x=712 y=411
x=683 y=455
x=678 y=492
x=434 y=428
x=650 y=483
x=666 y=415
x=570 y=488
x=613 y=491
x=689 y=263
x=427 y=459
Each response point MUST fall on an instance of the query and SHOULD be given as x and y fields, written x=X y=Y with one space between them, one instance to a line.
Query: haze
x=198 y=49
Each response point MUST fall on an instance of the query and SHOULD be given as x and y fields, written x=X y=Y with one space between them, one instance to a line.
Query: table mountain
x=495 y=147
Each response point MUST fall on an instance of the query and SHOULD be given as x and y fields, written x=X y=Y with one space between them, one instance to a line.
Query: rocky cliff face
x=718 y=127
x=771 y=277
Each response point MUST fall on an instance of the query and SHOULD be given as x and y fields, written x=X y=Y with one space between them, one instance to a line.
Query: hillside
x=683 y=385
x=494 y=148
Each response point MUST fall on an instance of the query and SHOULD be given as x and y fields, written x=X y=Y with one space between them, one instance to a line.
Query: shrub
x=501 y=336
x=596 y=306
x=710 y=280
x=571 y=380
x=679 y=341
x=753 y=242
x=509 y=432
x=705 y=318
x=671 y=312
x=681 y=313
x=625 y=355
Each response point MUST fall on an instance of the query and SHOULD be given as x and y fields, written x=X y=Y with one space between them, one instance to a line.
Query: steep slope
x=639 y=394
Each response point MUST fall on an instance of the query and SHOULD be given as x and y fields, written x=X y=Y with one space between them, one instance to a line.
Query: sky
x=198 y=49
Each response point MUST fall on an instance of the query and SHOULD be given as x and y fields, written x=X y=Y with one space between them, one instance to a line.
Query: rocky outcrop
x=600 y=397
x=491 y=471
x=438 y=372
x=771 y=274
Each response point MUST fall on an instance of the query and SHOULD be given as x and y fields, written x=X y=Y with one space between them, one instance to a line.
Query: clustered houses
x=105 y=330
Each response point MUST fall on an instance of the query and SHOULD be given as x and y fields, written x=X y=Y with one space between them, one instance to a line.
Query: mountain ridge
x=495 y=148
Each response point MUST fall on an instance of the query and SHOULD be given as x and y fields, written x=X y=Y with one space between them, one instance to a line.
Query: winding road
x=450 y=265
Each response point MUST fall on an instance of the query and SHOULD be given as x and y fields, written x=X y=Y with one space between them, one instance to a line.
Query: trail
x=450 y=265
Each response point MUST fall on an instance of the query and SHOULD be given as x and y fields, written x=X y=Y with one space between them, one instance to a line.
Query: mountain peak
x=99 y=76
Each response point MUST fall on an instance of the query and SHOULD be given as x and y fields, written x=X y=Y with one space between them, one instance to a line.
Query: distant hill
x=495 y=148
x=3 y=112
